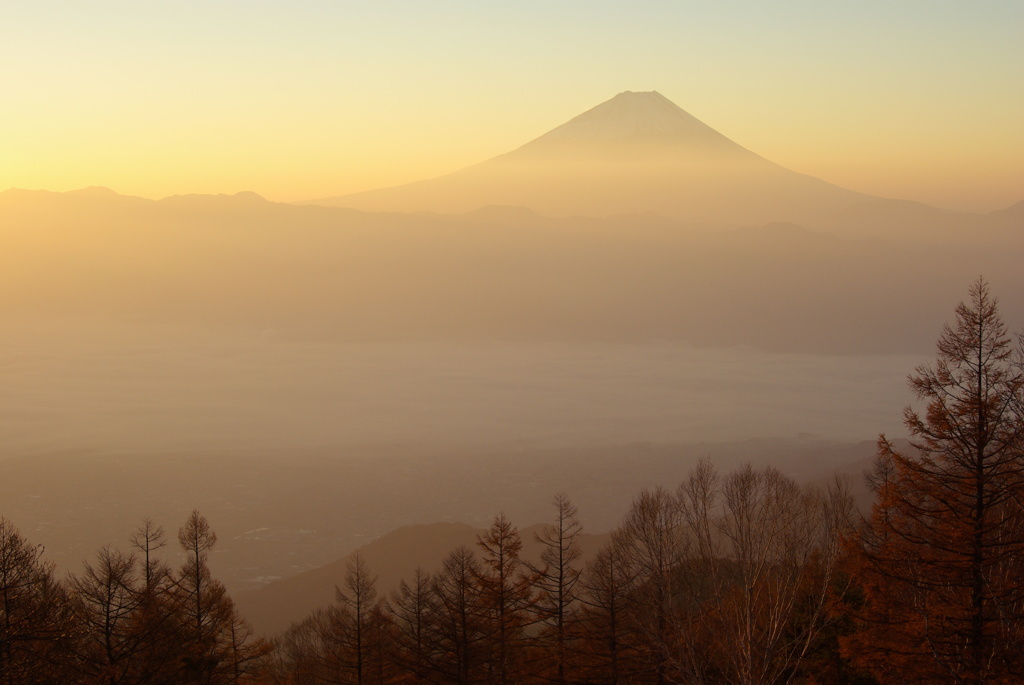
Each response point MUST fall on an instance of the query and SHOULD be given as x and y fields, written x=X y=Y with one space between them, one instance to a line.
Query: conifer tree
x=506 y=596
x=412 y=606
x=359 y=606
x=556 y=582
x=942 y=557
x=216 y=643
x=458 y=622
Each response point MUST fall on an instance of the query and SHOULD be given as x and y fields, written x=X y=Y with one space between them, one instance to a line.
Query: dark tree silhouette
x=458 y=622
x=556 y=583
x=149 y=538
x=216 y=643
x=36 y=622
x=156 y=621
x=506 y=596
x=652 y=548
x=605 y=641
x=358 y=602
x=412 y=607
x=942 y=557
x=108 y=599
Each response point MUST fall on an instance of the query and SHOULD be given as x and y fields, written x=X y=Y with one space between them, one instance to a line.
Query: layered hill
x=395 y=556
x=496 y=273
x=637 y=152
x=391 y=559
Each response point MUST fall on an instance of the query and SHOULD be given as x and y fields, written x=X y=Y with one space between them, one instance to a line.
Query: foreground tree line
x=124 y=618
x=726 y=579
x=741 y=577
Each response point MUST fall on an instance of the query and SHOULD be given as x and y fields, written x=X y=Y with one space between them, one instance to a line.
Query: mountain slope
x=391 y=559
x=637 y=152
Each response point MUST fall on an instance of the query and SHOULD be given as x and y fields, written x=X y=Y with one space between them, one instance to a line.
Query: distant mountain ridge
x=502 y=272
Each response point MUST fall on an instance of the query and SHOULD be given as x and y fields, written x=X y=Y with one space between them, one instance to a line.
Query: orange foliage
x=940 y=561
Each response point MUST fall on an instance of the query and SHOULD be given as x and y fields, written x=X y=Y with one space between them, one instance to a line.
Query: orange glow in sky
x=302 y=100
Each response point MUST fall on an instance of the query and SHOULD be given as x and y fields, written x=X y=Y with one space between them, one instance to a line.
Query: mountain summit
x=629 y=117
x=635 y=153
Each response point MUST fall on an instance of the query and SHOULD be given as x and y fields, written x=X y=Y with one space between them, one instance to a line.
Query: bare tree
x=412 y=606
x=246 y=652
x=651 y=547
x=156 y=621
x=148 y=538
x=35 y=616
x=556 y=582
x=779 y=539
x=107 y=600
x=307 y=652
x=197 y=539
x=359 y=599
x=707 y=575
x=604 y=632
x=557 y=579
x=458 y=621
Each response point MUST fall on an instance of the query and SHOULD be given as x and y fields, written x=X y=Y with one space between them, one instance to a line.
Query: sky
x=917 y=99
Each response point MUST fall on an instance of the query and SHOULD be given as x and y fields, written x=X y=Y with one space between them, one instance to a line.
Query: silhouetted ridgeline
x=333 y=274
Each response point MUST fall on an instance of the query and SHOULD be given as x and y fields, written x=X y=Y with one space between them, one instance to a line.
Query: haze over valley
x=217 y=330
x=337 y=363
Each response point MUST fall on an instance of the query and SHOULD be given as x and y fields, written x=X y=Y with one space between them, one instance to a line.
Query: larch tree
x=556 y=582
x=107 y=600
x=941 y=559
x=605 y=638
x=216 y=644
x=149 y=538
x=506 y=595
x=411 y=607
x=358 y=602
x=154 y=621
x=458 y=622
x=200 y=597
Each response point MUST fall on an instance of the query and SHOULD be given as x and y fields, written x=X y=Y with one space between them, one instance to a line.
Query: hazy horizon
x=299 y=102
